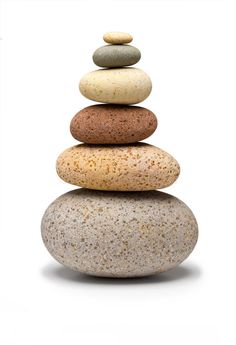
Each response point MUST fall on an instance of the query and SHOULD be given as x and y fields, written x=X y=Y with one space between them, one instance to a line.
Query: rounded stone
x=112 y=234
x=116 y=56
x=112 y=124
x=127 y=85
x=135 y=167
x=117 y=37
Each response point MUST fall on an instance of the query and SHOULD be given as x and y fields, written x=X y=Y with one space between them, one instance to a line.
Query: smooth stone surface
x=116 y=56
x=113 y=124
x=126 y=85
x=135 y=167
x=117 y=37
x=112 y=234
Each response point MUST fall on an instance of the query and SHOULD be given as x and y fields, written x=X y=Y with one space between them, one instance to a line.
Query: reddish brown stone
x=113 y=124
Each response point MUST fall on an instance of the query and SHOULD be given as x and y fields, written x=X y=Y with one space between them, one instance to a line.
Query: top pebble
x=117 y=38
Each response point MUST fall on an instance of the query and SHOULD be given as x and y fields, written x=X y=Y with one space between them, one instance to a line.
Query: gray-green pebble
x=118 y=55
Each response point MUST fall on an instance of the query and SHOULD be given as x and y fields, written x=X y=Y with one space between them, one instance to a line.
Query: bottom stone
x=117 y=234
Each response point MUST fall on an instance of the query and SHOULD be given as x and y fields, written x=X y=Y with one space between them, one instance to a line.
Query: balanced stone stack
x=117 y=225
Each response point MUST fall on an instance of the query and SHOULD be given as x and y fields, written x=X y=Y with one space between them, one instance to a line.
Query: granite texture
x=117 y=37
x=112 y=234
x=112 y=124
x=116 y=56
x=135 y=167
x=127 y=85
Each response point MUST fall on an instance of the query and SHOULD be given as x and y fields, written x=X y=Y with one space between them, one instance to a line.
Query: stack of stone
x=117 y=225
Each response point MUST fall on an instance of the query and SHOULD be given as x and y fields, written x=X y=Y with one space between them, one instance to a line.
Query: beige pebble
x=135 y=167
x=115 y=234
x=117 y=37
x=126 y=85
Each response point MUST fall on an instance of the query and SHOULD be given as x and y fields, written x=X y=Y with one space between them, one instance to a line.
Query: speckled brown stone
x=134 y=167
x=112 y=124
x=115 y=234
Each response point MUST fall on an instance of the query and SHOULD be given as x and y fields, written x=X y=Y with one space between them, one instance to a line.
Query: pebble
x=135 y=167
x=127 y=85
x=116 y=56
x=117 y=37
x=111 y=234
x=113 y=124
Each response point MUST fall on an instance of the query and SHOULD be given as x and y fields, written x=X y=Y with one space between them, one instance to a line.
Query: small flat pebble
x=119 y=235
x=116 y=56
x=134 y=167
x=117 y=37
x=127 y=85
x=113 y=124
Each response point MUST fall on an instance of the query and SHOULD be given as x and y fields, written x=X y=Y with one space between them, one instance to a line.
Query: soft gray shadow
x=187 y=271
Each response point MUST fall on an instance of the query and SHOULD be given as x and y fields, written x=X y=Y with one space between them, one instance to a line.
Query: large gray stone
x=115 y=234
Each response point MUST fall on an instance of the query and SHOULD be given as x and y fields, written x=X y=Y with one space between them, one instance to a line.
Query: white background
x=188 y=49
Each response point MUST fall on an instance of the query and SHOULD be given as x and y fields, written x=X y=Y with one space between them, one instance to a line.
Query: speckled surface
x=127 y=85
x=115 y=234
x=134 y=167
x=116 y=55
x=112 y=124
x=116 y=37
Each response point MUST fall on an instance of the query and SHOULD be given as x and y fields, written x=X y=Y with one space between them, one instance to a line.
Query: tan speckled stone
x=136 y=167
x=117 y=37
x=114 y=234
x=126 y=85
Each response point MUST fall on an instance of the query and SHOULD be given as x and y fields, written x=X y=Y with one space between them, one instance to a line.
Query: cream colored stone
x=116 y=85
x=117 y=37
x=136 y=167
x=115 y=234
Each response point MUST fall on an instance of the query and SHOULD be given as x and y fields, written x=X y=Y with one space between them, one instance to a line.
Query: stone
x=112 y=124
x=110 y=234
x=134 y=167
x=116 y=56
x=117 y=37
x=127 y=85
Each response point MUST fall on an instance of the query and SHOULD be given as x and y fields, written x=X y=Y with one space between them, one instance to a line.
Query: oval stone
x=117 y=37
x=116 y=56
x=136 y=167
x=126 y=85
x=112 y=234
x=112 y=124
